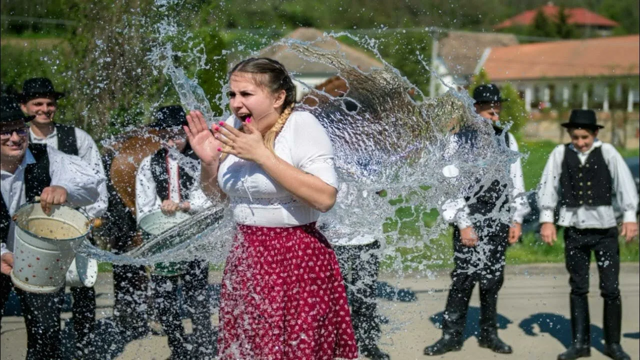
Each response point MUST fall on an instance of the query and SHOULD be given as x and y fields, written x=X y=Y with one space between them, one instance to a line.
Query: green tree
x=480 y=78
x=564 y=29
x=625 y=12
x=513 y=110
x=542 y=26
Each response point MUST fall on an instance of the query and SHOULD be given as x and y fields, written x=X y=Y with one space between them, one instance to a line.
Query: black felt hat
x=169 y=117
x=38 y=87
x=583 y=119
x=10 y=110
x=487 y=94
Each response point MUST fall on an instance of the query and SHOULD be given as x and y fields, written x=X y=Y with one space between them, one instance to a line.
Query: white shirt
x=588 y=217
x=88 y=152
x=67 y=171
x=456 y=211
x=147 y=199
x=255 y=198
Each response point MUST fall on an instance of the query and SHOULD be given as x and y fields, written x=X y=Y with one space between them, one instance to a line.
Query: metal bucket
x=45 y=246
x=153 y=225
x=82 y=272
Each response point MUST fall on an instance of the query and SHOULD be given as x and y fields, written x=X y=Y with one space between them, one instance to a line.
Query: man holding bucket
x=39 y=99
x=164 y=184
x=30 y=171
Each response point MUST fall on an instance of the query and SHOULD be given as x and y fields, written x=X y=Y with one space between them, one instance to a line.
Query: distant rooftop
x=577 y=16
x=460 y=51
x=295 y=63
x=612 y=56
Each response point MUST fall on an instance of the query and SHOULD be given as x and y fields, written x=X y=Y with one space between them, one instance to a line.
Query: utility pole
x=434 y=57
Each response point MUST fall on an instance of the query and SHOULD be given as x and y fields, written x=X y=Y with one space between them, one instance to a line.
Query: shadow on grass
x=472 y=327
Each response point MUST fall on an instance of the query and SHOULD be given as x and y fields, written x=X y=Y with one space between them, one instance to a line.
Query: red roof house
x=580 y=17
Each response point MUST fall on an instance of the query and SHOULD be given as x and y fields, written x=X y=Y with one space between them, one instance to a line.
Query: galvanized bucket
x=153 y=225
x=45 y=246
x=82 y=272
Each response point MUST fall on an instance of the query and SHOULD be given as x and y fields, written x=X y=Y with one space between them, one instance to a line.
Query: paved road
x=534 y=317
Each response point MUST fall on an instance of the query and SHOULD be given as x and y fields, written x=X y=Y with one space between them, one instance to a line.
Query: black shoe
x=493 y=342
x=373 y=352
x=615 y=352
x=575 y=352
x=443 y=346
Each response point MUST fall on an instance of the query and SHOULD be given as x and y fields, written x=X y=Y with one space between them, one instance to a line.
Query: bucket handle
x=92 y=223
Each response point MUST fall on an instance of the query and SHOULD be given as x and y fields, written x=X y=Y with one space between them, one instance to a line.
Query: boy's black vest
x=36 y=178
x=486 y=197
x=67 y=142
x=160 y=173
x=585 y=185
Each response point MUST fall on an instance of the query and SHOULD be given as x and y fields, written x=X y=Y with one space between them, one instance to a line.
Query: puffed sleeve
x=89 y=153
x=311 y=147
x=77 y=177
x=147 y=199
x=549 y=185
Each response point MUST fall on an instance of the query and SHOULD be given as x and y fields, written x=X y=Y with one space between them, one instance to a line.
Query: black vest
x=160 y=173
x=585 y=185
x=67 y=142
x=486 y=197
x=36 y=178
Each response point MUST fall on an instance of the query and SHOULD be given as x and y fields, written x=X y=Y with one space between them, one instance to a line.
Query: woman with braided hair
x=282 y=292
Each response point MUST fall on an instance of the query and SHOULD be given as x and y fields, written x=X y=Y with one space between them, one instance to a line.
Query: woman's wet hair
x=270 y=74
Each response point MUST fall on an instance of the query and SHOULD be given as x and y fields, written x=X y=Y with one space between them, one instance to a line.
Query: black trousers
x=483 y=264
x=84 y=316
x=359 y=265
x=42 y=318
x=130 y=305
x=579 y=243
x=164 y=291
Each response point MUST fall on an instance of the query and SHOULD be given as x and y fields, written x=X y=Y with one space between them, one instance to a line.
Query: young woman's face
x=248 y=99
x=582 y=139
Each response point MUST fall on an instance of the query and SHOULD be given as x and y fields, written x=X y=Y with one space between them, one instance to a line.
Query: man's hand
x=169 y=207
x=514 y=233
x=52 y=195
x=629 y=231
x=548 y=233
x=468 y=236
x=7 y=263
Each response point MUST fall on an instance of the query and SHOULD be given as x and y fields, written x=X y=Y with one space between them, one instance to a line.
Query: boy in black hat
x=163 y=183
x=490 y=245
x=30 y=170
x=581 y=177
x=39 y=99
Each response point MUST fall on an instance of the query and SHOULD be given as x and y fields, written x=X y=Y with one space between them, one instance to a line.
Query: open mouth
x=244 y=117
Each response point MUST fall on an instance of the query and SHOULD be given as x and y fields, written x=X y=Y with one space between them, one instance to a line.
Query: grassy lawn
x=409 y=222
x=438 y=253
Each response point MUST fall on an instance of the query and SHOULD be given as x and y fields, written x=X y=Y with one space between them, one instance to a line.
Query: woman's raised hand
x=247 y=145
x=201 y=139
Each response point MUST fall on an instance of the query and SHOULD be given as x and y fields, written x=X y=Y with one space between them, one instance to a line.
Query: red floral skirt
x=283 y=297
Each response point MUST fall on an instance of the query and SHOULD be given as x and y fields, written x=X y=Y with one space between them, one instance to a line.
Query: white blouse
x=258 y=200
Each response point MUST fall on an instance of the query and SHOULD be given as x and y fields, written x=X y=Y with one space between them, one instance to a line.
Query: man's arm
x=79 y=180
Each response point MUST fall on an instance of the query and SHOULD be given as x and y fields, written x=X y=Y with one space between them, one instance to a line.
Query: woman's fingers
x=228 y=129
x=223 y=139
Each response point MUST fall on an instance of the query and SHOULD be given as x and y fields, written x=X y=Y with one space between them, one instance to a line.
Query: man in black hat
x=480 y=244
x=27 y=171
x=39 y=99
x=163 y=183
x=581 y=177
